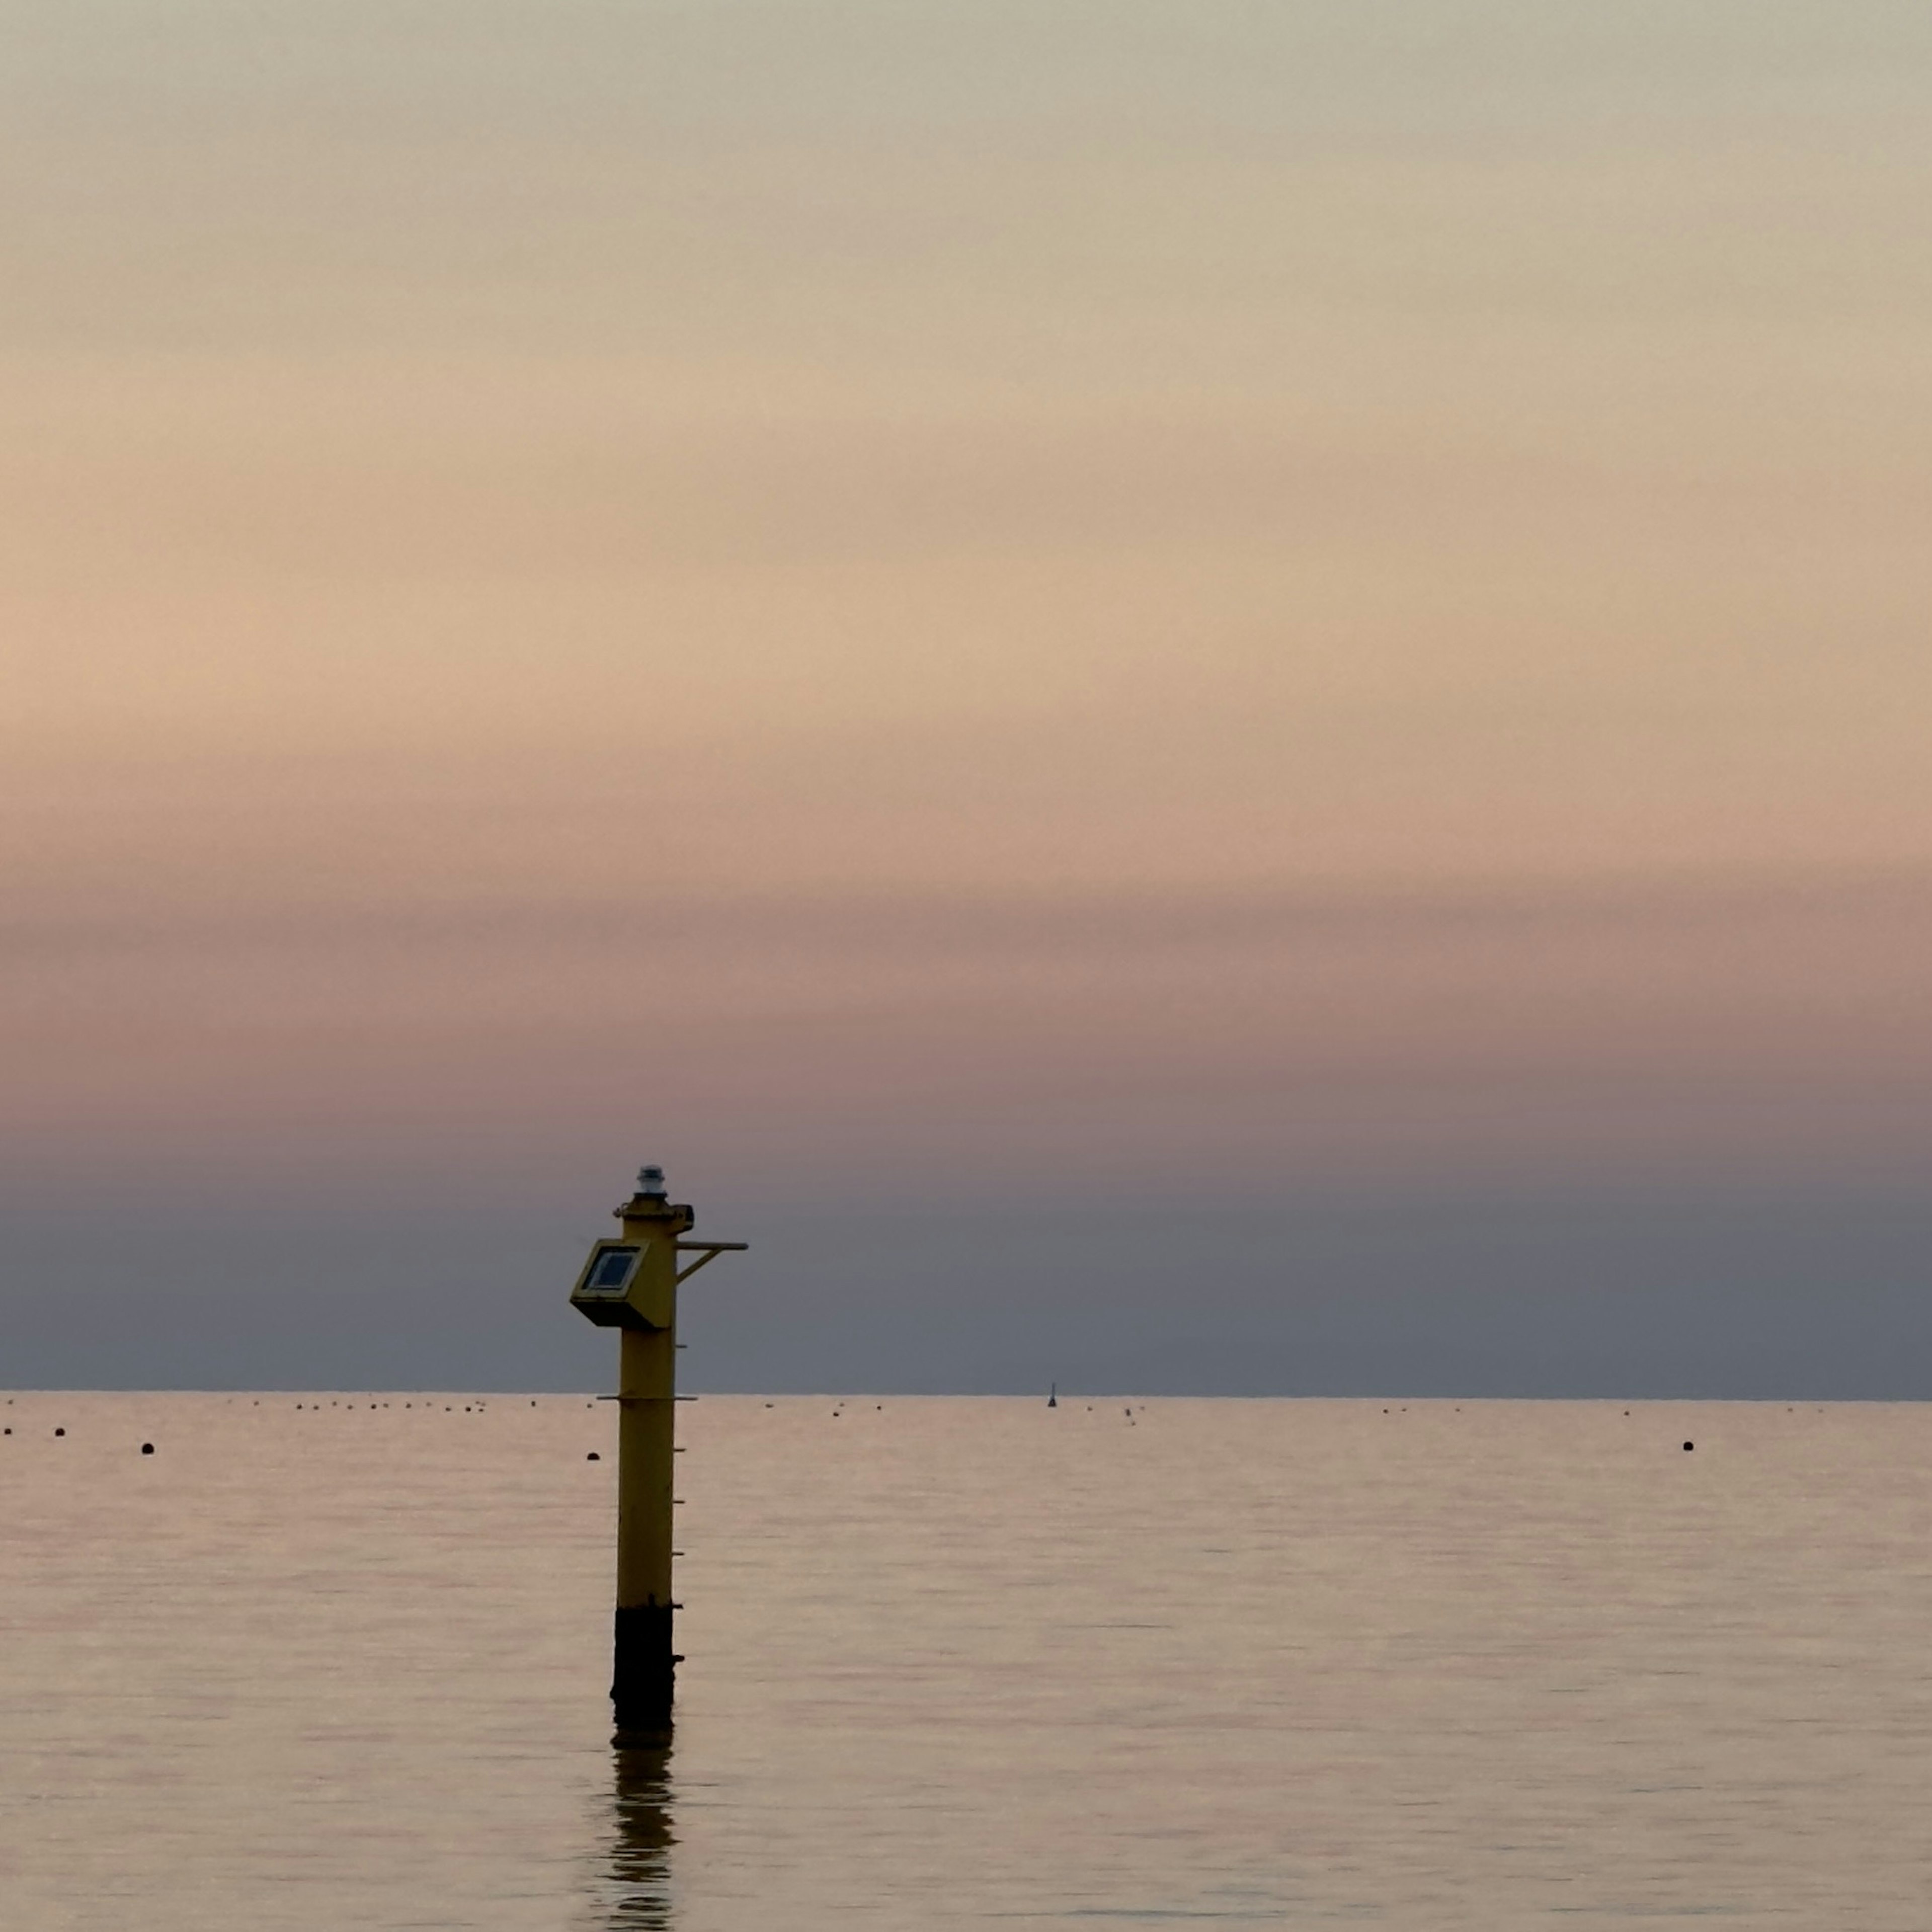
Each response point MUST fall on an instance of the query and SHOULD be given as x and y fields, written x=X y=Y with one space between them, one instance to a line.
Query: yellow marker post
x=631 y=1284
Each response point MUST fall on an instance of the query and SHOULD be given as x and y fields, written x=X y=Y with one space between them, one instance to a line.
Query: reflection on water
x=640 y=1841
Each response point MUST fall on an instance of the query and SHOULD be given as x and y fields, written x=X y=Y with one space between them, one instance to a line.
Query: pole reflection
x=641 y=1837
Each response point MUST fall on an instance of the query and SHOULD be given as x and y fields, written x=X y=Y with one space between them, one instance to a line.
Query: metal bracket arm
x=705 y=1251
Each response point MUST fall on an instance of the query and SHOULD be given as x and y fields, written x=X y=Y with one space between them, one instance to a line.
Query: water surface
x=967 y=1662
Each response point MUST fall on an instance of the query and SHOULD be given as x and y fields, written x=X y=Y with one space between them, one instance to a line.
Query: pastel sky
x=897 y=604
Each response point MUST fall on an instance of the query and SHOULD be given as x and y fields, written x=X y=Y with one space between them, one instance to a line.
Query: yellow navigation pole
x=631 y=1284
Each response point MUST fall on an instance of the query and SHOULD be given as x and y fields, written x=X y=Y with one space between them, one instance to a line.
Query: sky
x=1224 y=697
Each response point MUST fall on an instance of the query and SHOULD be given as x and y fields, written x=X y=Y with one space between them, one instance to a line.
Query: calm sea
x=968 y=1662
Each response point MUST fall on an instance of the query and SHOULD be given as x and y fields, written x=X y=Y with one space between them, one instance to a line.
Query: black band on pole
x=642 y=1681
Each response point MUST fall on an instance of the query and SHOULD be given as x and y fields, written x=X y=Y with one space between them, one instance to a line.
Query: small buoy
x=593 y=1457
x=147 y=1448
x=1689 y=1445
x=60 y=1431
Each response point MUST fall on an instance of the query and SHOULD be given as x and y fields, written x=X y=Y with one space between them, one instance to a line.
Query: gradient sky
x=957 y=619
